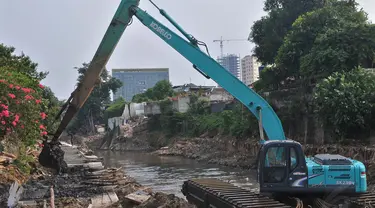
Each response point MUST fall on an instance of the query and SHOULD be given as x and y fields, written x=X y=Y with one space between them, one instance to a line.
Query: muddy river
x=166 y=174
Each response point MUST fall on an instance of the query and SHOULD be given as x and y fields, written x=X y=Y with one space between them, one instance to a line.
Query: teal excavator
x=282 y=165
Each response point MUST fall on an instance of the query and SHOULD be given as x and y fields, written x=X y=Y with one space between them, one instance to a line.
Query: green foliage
x=268 y=33
x=92 y=112
x=238 y=122
x=160 y=91
x=198 y=106
x=27 y=108
x=20 y=63
x=20 y=106
x=115 y=109
x=323 y=40
x=23 y=161
x=345 y=101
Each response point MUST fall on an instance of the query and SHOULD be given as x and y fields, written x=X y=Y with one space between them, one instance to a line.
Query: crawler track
x=216 y=193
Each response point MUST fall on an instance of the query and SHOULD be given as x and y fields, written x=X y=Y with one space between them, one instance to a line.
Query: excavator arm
x=112 y=36
x=202 y=62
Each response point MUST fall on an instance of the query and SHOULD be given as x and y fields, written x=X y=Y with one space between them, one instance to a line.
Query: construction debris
x=86 y=184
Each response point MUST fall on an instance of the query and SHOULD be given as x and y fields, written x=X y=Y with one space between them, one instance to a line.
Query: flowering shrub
x=20 y=106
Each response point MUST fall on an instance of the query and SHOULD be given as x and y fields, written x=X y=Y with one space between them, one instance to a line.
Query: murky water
x=167 y=173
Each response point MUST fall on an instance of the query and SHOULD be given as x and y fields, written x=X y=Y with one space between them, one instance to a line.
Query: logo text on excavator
x=160 y=30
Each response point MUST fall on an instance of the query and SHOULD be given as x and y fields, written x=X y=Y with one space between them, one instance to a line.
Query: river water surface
x=167 y=173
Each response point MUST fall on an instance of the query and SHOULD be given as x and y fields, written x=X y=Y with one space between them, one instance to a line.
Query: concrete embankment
x=89 y=184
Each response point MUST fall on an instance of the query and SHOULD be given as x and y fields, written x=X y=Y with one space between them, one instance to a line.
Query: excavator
x=282 y=165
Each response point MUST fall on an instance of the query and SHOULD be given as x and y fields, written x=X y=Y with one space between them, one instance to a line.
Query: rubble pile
x=89 y=184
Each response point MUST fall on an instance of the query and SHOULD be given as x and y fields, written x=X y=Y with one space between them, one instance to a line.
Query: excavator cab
x=282 y=167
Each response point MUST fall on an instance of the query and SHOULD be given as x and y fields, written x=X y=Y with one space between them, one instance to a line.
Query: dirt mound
x=162 y=200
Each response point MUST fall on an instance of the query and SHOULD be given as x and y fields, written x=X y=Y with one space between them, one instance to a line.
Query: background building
x=250 y=69
x=231 y=63
x=138 y=80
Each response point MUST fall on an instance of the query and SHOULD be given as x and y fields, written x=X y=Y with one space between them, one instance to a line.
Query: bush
x=20 y=106
x=238 y=122
x=345 y=102
x=115 y=109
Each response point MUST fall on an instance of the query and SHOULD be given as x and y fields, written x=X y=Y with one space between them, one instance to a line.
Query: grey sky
x=60 y=35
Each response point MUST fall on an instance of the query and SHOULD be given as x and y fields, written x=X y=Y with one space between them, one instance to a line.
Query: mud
x=80 y=185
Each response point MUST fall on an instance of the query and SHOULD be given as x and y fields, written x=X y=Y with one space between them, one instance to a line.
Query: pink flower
x=14 y=123
x=22 y=126
x=42 y=127
x=38 y=101
x=41 y=86
x=18 y=87
x=3 y=122
x=11 y=86
x=43 y=115
x=16 y=118
x=26 y=90
x=1 y=80
x=5 y=113
x=29 y=97
x=11 y=95
x=43 y=133
x=4 y=106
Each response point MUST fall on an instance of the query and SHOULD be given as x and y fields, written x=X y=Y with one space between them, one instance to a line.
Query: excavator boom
x=188 y=49
x=112 y=36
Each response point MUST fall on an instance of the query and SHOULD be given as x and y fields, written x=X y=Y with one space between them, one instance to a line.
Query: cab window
x=275 y=157
x=293 y=159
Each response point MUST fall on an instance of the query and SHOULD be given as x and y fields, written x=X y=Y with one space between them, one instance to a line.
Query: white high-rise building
x=249 y=69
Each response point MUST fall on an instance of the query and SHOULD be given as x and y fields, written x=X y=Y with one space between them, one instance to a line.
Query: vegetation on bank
x=160 y=91
x=115 y=109
x=27 y=108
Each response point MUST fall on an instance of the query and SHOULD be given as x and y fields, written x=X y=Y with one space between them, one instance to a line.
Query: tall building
x=250 y=69
x=231 y=63
x=137 y=81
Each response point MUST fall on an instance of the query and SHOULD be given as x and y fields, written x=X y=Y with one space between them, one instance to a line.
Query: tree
x=345 y=102
x=92 y=112
x=21 y=63
x=160 y=91
x=317 y=37
x=268 y=33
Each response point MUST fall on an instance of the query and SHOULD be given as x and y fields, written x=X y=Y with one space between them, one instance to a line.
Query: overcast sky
x=60 y=35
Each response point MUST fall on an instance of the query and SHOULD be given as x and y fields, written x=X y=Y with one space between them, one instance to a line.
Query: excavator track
x=209 y=192
x=214 y=193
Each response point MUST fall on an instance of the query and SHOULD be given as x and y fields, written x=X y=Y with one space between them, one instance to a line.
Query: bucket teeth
x=209 y=192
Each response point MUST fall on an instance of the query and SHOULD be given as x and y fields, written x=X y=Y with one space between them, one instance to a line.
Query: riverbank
x=88 y=183
x=227 y=151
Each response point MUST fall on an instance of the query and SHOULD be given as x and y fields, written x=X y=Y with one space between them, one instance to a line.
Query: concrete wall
x=133 y=109
x=152 y=109
x=116 y=121
x=181 y=104
x=220 y=94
